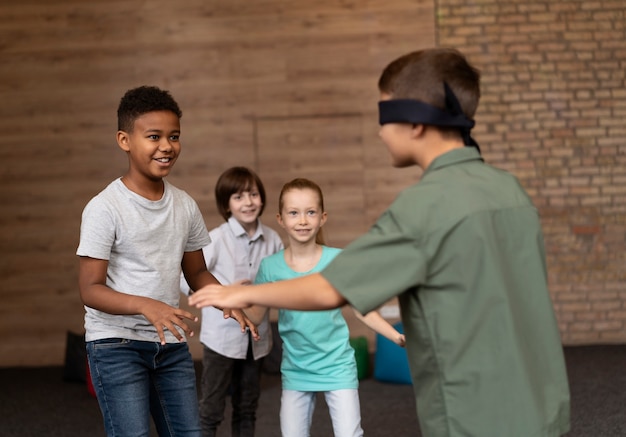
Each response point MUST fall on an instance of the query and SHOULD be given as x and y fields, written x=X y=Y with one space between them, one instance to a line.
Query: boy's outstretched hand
x=163 y=316
x=218 y=296
x=243 y=320
x=225 y=298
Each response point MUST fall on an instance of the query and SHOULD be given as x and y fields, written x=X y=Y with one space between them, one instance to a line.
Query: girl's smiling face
x=301 y=215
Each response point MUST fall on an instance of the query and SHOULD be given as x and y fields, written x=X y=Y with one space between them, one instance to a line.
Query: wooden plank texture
x=286 y=87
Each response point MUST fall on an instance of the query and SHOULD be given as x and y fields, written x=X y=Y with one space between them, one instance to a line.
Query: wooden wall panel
x=239 y=70
x=328 y=151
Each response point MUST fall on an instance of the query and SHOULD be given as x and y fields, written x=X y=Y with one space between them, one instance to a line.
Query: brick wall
x=553 y=112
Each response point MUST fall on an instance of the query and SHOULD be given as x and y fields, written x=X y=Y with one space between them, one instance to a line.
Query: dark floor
x=38 y=402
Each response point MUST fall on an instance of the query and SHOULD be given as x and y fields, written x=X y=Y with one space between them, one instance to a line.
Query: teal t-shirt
x=317 y=355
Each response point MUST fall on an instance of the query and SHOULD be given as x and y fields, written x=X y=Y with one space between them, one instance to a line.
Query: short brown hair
x=420 y=75
x=236 y=180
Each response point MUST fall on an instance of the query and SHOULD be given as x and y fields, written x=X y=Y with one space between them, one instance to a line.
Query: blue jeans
x=136 y=379
x=296 y=412
x=220 y=375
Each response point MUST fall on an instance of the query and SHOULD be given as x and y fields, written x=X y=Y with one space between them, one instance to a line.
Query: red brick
x=552 y=111
x=586 y=230
x=608 y=325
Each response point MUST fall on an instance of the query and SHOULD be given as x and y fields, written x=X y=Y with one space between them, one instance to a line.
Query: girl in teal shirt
x=317 y=356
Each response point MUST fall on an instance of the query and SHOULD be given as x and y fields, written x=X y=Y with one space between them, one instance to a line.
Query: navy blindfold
x=417 y=112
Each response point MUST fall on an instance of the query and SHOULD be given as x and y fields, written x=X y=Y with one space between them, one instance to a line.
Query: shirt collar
x=239 y=231
x=453 y=157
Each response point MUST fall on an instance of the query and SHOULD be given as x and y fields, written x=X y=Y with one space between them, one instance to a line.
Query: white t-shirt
x=144 y=242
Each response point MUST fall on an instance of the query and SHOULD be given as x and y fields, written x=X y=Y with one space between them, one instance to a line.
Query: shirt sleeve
x=378 y=266
x=97 y=231
x=198 y=234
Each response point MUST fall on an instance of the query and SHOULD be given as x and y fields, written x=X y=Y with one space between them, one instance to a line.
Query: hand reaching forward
x=218 y=296
x=400 y=340
x=163 y=316
x=243 y=320
x=224 y=298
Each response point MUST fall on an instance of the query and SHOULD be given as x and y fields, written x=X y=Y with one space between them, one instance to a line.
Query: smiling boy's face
x=153 y=146
x=246 y=206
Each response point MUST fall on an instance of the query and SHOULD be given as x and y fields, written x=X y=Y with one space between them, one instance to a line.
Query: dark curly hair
x=141 y=100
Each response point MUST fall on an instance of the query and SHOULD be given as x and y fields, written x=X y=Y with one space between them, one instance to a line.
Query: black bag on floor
x=75 y=369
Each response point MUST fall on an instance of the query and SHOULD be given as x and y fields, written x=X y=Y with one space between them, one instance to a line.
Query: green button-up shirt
x=464 y=252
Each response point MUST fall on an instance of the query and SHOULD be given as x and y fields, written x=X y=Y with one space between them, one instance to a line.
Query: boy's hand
x=401 y=340
x=163 y=316
x=226 y=299
x=218 y=296
x=243 y=320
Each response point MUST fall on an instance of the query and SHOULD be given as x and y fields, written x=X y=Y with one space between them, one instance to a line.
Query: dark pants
x=242 y=377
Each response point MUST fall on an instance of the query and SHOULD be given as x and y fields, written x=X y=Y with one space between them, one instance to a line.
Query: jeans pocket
x=110 y=343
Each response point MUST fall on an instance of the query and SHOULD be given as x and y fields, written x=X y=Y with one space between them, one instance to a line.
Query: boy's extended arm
x=375 y=321
x=195 y=271
x=197 y=276
x=311 y=292
x=256 y=313
x=96 y=294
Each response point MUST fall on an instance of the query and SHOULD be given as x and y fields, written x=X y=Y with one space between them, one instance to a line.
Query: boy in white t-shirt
x=135 y=237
